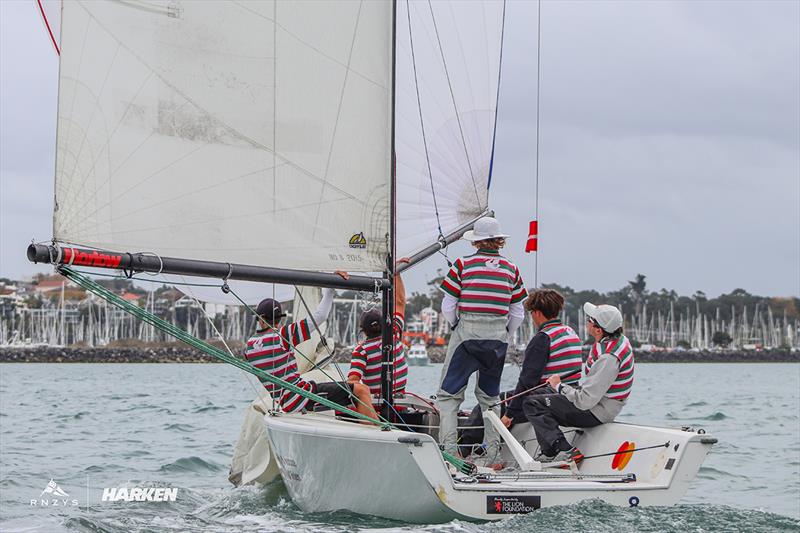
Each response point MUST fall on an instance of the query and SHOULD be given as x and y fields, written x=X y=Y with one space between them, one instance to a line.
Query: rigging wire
x=322 y=339
x=453 y=99
x=261 y=393
x=209 y=349
x=422 y=122
x=313 y=363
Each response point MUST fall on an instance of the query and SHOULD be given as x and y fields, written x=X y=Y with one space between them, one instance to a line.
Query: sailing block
x=523 y=458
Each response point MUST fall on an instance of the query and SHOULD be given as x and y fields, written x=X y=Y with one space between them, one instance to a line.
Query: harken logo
x=358 y=241
x=55 y=497
x=139 y=494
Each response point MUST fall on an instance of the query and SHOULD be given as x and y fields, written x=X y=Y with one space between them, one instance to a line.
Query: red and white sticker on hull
x=51 y=17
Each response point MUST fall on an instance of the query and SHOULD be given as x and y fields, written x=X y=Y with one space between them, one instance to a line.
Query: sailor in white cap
x=596 y=399
x=483 y=295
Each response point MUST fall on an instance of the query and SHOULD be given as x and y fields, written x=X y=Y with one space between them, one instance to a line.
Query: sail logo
x=74 y=256
x=358 y=241
x=139 y=494
x=57 y=497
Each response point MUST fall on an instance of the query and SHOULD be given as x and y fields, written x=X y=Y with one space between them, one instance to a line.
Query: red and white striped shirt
x=620 y=348
x=484 y=282
x=366 y=361
x=272 y=351
x=565 y=351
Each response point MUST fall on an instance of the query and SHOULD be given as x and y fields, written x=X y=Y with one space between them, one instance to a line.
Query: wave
x=191 y=464
x=597 y=516
x=185 y=428
x=713 y=473
x=718 y=415
x=208 y=408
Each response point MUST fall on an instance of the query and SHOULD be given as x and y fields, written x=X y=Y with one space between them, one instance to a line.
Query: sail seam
x=336 y=122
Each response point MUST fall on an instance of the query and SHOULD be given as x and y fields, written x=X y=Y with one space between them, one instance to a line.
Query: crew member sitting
x=554 y=350
x=365 y=364
x=599 y=396
x=271 y=349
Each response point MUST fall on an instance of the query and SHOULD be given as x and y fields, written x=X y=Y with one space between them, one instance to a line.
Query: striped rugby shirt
x=366 y=361
x=565 y=351
x=620 y=348
x=272 y=351
x=485 y=282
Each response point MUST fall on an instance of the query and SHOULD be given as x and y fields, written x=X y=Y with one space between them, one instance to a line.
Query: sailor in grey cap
x=483 y=295
x=597 y=398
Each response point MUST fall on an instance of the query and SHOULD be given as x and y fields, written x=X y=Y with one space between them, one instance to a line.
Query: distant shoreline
x=183 y=354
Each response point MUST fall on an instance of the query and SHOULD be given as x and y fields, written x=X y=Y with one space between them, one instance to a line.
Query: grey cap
x=607 y=317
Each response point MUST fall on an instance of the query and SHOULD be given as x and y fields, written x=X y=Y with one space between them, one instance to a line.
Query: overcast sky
x=670 y=143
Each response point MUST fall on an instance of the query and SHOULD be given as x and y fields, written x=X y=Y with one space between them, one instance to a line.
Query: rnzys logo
x=57 y=497
x=358 y=240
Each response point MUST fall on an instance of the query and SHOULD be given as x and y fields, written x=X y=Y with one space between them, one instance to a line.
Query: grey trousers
x=477 y=344
x=546 y=412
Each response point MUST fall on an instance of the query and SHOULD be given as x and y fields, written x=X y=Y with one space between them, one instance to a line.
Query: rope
x=183 y=336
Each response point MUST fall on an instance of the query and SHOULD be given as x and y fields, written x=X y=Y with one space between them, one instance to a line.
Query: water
x=175 y=426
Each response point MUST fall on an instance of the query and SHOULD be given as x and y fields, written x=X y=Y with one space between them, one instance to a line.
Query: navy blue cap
x=270 y=310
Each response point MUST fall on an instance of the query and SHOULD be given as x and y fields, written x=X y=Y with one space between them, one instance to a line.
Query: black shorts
x=339 y=392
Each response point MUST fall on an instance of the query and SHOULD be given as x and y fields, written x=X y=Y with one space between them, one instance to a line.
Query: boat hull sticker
x=512 y=504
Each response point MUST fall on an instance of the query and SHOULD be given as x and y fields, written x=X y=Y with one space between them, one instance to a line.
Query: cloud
x=670 y=143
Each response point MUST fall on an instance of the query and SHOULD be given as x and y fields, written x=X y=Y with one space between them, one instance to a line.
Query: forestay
x=245 y=132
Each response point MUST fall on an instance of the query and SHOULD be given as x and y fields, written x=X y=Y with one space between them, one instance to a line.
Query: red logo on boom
x=74 y=256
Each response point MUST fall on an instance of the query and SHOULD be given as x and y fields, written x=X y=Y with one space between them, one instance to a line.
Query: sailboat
x=276 y=142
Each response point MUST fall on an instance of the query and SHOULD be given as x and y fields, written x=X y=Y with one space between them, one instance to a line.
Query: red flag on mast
x=533 y=237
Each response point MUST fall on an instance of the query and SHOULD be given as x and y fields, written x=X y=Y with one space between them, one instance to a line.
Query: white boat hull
x=401 y=475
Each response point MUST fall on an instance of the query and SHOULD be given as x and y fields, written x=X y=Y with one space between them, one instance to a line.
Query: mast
x=387 y=310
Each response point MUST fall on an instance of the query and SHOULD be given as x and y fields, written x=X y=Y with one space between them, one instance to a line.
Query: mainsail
x=245 y=132
x=260 y=132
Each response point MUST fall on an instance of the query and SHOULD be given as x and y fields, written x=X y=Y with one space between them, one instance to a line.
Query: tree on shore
x=721 y=339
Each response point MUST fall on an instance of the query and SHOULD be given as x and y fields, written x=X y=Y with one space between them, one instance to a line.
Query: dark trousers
x=546 y=412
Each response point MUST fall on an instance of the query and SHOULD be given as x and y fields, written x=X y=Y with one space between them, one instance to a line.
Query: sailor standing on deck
x=554 y=350
x=483 y=296
x=271 y=349
x=597 y=399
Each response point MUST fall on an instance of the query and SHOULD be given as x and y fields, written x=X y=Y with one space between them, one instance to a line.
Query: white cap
x=484 y=228
x=607 y=317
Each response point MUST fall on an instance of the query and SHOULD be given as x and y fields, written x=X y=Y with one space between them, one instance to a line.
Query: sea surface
x=91 y=426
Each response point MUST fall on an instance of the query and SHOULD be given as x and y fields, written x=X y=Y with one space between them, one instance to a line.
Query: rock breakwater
x=184 y=354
